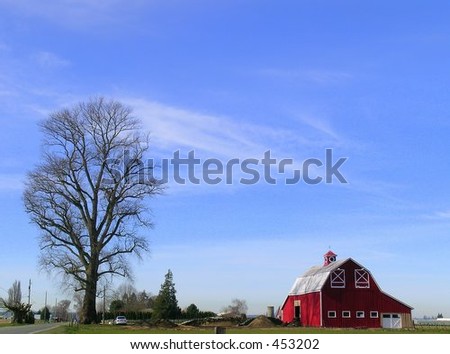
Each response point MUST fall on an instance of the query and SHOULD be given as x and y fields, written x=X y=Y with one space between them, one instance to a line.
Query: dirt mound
x=261 y=322
x=222 y=323
x=195 y=322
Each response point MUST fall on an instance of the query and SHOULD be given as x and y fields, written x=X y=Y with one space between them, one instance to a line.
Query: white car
x=120 y=320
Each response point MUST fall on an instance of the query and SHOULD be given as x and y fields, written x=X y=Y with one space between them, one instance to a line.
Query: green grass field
x=107 y=329
x=4 y=324
x=7 y=323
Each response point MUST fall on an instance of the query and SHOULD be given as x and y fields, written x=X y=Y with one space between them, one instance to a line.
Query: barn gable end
x=342 y=294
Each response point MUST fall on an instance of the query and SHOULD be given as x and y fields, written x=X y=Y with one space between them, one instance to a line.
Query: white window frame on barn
x=360 y=314
x=332 y=314
x=362 y=278
x=373 y=314
x=344 y=314
x=337 y=278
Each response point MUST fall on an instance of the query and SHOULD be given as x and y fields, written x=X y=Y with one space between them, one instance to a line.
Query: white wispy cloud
x=78 y=14
x=317 y=76
x=444 y=214
x=6 y=92
x=321 y=125
x=174 y=128
x=11 y=182
x=225 y=138
x=4 y=47
x=327 y=77
x=23 y=89
x=50 y=60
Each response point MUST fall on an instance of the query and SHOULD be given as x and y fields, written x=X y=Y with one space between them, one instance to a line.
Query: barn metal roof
x=314 y=279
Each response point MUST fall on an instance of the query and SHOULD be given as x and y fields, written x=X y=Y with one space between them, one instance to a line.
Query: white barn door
x=391 y=320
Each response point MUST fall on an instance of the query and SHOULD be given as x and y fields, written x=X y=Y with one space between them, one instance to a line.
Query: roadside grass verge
x=107 y=329
x=9 y=324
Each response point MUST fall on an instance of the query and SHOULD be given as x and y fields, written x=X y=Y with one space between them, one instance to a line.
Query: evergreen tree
x=116 y=306
x=45 y=314
x=29 y=317
x=166 y=303
x=192 y=311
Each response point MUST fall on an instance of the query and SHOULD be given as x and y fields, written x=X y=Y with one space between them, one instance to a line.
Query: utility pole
x=29 y=292
x=45 y=308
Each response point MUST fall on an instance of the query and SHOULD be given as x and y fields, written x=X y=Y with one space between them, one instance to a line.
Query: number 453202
x=296 y=344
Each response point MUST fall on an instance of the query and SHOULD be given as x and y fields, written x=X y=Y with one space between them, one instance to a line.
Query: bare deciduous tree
x=128 y=299
x=61 y=310
x=14 y=303
x=236 y=308
x=88 y=195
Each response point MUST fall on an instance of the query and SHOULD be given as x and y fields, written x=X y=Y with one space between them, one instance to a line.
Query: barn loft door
x=337 y=278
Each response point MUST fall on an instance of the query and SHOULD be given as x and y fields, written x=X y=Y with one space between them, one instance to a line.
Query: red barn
x=342 y=294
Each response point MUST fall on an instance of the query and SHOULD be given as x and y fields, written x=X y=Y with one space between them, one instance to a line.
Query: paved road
x=28 y=329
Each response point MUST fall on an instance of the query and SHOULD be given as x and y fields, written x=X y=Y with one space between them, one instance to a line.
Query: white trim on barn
x=362 y=278
x=337 y=278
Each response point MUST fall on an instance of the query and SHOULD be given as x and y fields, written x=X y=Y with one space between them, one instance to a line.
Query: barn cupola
x=328 y=258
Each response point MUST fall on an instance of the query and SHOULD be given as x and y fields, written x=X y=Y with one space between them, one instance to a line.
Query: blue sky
x=233 y=79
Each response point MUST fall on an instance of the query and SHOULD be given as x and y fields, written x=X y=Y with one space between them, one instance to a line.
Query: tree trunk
x=88 y=312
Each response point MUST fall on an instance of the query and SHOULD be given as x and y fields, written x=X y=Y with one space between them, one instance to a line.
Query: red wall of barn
x=349 y=298
x=355 y=299
x=310 y=309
